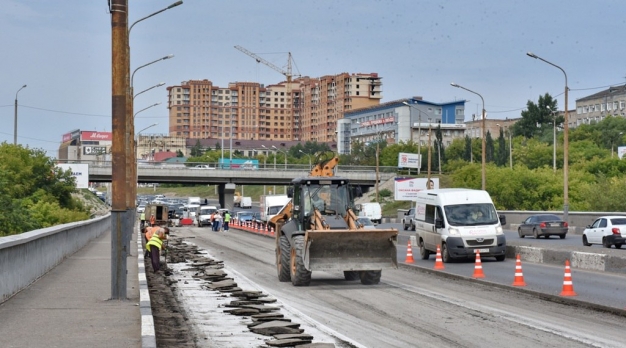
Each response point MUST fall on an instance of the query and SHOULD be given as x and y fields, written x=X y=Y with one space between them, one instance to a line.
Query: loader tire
x=282 y=259
x=370 y=277
x=351 y=275
x=299 y=275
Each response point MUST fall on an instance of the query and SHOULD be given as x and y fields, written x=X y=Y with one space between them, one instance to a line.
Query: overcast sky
x=62 y=51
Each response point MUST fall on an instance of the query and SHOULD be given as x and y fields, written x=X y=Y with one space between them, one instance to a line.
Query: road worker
x=154 y=247
x=142 y=218
x=152 y=220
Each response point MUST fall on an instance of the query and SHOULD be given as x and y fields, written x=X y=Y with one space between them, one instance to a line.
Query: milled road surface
x=409 y=309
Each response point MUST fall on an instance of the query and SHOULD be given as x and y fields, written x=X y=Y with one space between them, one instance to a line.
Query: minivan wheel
x=445 y=254
x=535 y=233
x=585 y=242
x=618 y=246
x=424 y=253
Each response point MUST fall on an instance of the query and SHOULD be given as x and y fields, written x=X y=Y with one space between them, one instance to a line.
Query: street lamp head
x=454 y=84
x=175 y=4
x=160 y=84
x=24 y=86
x=532 y=55
x=168 y=56
x=263 y=146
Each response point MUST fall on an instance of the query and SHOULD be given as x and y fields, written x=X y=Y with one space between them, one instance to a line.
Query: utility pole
x=429 y=151
x=120 y=219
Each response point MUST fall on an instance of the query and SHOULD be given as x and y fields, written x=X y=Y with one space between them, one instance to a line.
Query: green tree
x=489 y=148
x=179 y=153
x=467 y=155
x=536 y=117
x=196 y=150
x=502 y=156
x=29 y=180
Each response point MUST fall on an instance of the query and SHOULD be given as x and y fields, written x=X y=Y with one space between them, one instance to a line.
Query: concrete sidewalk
x=70 y=307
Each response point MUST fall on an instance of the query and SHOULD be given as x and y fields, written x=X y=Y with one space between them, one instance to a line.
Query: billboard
x=406 y=189
x=621 y=151
x=239 y=163
x=71 y=135
x=96 y=136
x=94 y=150
x=80 y=171
x=409 y=160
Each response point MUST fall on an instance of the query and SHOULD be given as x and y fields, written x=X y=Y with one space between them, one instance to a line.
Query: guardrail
x=26 y=257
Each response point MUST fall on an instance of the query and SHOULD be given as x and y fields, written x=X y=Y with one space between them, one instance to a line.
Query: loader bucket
x=350 y=250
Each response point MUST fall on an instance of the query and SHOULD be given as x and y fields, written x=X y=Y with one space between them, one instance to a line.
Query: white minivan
x=460 y=221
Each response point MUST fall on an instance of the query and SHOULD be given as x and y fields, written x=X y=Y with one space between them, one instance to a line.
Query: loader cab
x=328 y=196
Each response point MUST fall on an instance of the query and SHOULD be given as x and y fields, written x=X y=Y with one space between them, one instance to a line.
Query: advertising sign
x=406 y=189
x=621 y=151
x=94 y=150
x=96 y=136
x=409 y=160
x=80 y=171
x=378 y=121
x=71 y=135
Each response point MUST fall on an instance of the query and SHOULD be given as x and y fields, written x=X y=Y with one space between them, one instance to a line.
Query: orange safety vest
x=150 y=232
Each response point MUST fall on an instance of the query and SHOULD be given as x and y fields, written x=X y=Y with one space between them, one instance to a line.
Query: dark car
x=545 y=225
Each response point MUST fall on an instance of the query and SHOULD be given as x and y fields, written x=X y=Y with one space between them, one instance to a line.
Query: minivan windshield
x=471 y=214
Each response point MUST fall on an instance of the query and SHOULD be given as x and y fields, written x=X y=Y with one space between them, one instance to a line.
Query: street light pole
x=147 y=89
x=310 y=165
x=155 y=13
x=144 y=109
x=285 y=152
x=484 y=181
x=565 y=143
x=15 y=117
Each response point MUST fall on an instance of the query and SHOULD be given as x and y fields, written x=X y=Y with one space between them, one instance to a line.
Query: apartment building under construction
x=305 y=110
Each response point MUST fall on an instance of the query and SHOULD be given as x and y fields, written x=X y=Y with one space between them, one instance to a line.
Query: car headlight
x=454 y=232
x=499 y=230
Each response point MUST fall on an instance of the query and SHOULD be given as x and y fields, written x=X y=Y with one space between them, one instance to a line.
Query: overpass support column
x=226 y=196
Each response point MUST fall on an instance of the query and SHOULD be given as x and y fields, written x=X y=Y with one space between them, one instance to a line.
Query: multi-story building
x=243 y=110
x=327 y=98
x=401 y=120
x=596 y=107
x=307 y=109
x=91 y=146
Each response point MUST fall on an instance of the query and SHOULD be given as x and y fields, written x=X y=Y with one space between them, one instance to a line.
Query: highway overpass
x=101 y=172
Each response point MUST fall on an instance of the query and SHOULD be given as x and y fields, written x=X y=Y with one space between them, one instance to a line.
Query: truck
x=245 y=203
x=160 y=212
x=373 y=211
x=318 y=230
x=193 y=200
x=270 y=205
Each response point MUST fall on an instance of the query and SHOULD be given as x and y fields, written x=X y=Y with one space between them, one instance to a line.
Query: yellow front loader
x=318 y=230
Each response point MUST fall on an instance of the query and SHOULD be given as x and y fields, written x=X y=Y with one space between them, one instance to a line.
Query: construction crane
x=287 y=73
x=258 y=59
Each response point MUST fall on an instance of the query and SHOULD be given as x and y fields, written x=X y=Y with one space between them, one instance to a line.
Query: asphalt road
x=416 y=308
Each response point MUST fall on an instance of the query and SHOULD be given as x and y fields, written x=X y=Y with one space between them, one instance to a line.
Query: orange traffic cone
x=272 y=231
x=519 y=275
x=478 y=267
x=568 y=286
x=409 y=253
x=438 y=260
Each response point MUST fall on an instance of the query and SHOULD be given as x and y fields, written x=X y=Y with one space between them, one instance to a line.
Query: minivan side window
x=430 y=214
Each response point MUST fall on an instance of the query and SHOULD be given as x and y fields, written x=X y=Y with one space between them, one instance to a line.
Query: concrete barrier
x=26 y=257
